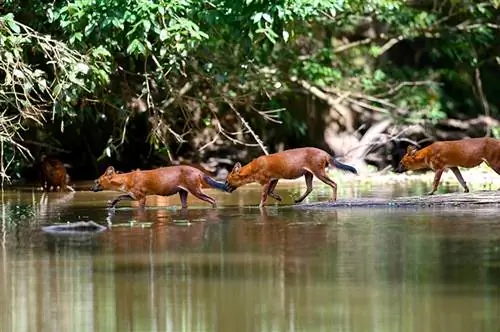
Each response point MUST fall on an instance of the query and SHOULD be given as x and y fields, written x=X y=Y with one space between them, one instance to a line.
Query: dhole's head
x=235 y=179
x=409 y=160
x=105 y=181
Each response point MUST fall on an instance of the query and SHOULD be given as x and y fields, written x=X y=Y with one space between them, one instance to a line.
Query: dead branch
x=227 y=135
x=206 y=145
x=45 y=145
x=482 y=97
x=182 y=91
x=317 y=92
x=249 y=128
x=401 y=85
x=26 y=90
x=270 y=115
x=387 y=46
x=347 y=46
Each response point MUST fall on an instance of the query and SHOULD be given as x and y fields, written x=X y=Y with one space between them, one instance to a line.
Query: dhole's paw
x=430 y=193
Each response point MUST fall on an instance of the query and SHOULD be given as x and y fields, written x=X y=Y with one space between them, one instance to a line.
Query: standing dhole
x=54 y=175
x=465 y=153
x=164 y=181
x=288 y=164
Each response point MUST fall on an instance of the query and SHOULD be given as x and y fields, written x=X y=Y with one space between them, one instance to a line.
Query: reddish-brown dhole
x=441 y=155
x=289 y=164
x=54 y=175
x=164 y=181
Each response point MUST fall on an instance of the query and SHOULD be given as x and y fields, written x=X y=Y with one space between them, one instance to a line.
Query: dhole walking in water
x=164 y=181
x=288 y=164
x=465 y=153
x=54 y=175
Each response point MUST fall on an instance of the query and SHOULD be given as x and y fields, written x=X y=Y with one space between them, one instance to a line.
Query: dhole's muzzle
x=97 y=186
x=228 y=187
x=401 y=168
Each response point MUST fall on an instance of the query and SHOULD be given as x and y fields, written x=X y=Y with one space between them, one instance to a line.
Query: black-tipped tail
x=343 y=167
x=215 y=184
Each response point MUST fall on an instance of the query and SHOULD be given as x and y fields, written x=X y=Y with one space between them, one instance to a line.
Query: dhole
x=54 y=175
x=439 y=156
x=164 y=181
x=288 y=164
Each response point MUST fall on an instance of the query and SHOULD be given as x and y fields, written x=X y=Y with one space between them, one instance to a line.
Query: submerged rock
x=81 y=227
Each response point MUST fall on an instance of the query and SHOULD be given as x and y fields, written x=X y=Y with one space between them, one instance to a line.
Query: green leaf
x=136 y=47
x=163 y=34
x=257 y=17
x=286 y=35
x=267 y=17
x=147 y=25
x=101 y=52
x=13 y=26
x=82 y=68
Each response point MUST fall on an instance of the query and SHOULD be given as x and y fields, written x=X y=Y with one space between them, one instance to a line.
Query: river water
x=238 y=268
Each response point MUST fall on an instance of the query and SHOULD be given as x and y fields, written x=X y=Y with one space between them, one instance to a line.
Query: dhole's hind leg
x=183 y=195
x=494 y=167
x=437 y=179
x=459 y=177
x=204 y=197
x=270 y=191
x=323 y=177
x=309 y=184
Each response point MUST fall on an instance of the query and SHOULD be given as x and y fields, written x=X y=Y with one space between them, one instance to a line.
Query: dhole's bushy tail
x=343 y=167
x=215 y=184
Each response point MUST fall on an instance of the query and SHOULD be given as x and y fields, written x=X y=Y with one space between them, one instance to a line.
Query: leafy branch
x=28 y=92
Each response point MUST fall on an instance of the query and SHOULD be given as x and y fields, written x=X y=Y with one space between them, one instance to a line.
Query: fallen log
x=473 y=199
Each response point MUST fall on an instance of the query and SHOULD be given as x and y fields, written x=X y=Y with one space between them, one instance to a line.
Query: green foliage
x=189 y=65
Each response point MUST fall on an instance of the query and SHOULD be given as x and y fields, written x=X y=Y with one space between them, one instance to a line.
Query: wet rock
x=81 y=227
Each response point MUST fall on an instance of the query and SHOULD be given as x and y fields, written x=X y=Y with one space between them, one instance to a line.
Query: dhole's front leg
x=271 y=192
x=183 y=196
x=264 y=193
x=437 y=179
x=112 y=204
x=129 y=196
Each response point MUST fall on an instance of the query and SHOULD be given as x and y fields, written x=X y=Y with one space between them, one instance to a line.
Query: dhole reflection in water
x=353 y=270
x=162 y=234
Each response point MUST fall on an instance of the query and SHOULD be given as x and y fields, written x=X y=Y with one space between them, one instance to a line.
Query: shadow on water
x=239 y=268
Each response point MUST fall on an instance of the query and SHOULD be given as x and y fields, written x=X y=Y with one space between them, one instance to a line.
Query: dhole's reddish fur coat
x=288 y=164
x=54 y=175
x=465 y=153
x=164 y=181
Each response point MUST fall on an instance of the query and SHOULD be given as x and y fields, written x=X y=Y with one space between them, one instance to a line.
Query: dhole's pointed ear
x=411 y=150
x=110 y=171
x=236 y=168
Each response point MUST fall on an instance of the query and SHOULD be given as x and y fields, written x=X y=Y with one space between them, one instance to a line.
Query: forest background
x=137 y=83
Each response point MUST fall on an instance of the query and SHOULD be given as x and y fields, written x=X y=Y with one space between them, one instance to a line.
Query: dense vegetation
x=140 y=83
